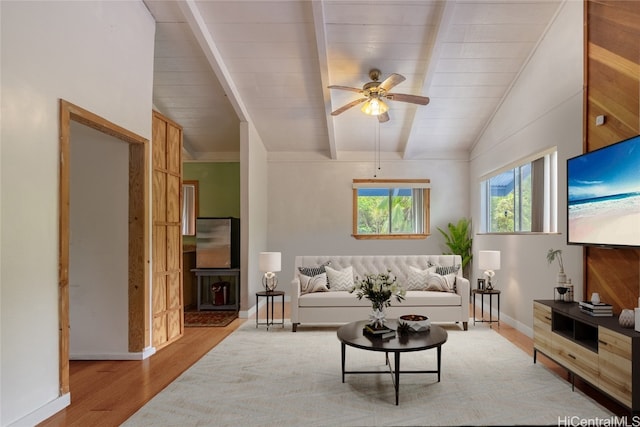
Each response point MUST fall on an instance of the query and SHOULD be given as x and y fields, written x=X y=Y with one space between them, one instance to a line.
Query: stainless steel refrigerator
x=217 y=242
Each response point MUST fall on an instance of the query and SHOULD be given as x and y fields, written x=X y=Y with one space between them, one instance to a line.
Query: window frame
x=544 y=194
x=423 y=184
x=190 y=207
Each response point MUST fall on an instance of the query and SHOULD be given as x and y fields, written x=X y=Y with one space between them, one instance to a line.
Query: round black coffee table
x=351 y=335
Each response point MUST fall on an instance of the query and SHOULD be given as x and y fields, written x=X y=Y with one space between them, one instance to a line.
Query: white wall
x=98 y=245
x=253 y=203
x=98 y=55
x=310 y=206
x=544 y=109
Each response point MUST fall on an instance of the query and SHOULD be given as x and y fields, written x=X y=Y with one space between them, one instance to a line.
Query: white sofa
x=342 y=306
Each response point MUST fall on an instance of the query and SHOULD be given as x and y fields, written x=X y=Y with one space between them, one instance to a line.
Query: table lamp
x=269 y=262
x=489 y=261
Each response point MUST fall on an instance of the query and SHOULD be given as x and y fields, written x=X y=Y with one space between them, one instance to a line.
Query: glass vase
x=377 y=317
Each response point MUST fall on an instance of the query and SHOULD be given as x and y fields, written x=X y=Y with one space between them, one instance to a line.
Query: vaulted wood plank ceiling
x=218 y=63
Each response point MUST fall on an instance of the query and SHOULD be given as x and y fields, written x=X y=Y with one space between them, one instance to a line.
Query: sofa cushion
x=317 y=283
x=346 y=299
x=417 y=278
x=340 y=280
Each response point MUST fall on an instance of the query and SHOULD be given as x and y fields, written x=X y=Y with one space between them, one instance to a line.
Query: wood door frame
x=139 y=264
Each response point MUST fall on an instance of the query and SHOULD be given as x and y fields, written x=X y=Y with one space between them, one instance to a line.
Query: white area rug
x=280 y=378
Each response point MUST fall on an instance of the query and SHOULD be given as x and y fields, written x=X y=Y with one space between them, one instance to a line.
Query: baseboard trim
x=245 y=314
x=44 y=412
x=141 y=355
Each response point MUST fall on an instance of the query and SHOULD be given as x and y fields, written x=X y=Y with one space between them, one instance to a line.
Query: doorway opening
x=138 y=242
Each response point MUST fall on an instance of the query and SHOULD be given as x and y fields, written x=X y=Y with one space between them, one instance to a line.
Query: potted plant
x=553 y=255
x=459 y=240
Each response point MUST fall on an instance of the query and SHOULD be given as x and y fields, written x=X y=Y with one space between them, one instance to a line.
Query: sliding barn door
x=168 y=320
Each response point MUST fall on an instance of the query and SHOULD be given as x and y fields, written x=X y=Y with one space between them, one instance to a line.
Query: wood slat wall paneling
x=612 y=73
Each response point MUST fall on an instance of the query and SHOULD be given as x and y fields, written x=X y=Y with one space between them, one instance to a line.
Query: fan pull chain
x=379 y=160
x=376 y=149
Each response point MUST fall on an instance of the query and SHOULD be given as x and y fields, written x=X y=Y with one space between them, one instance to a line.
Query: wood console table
x=597 y=349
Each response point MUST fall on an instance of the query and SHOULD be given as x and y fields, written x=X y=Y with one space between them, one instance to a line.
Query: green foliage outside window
x=401 y=215
x=504 y=210
x=375 y=212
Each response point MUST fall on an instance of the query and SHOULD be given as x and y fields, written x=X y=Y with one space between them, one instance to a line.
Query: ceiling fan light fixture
x=375 y=107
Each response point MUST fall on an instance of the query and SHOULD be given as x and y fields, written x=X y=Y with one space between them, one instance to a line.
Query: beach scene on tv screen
x=604 y=195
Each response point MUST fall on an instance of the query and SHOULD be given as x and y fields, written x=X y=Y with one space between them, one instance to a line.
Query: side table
x=482 y=293
x=270 y=296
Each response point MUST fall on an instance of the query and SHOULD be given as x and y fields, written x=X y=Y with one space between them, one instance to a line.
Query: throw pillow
x=417 y=279
x=313 y=271
x=340 y=280
x=447 y=270
x=317 y=283
x=441 y=283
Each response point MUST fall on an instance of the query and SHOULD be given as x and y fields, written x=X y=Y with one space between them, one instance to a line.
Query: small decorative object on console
x=556 y=254
x=415 y=322
x=600 y=309
x=560 y=293
x=627 y=318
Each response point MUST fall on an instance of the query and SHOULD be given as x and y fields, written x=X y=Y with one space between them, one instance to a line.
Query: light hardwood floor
x=106 y=393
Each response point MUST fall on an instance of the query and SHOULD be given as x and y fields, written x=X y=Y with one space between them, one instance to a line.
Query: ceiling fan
x=374 y=94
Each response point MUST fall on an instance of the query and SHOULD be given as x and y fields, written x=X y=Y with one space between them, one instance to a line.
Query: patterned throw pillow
x=317 y=283
x=447 y=270
x=340 y=280
x=417 y=279
x=441 y=283
x=313 y=271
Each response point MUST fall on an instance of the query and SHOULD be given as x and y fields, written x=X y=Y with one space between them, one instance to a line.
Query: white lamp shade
x=269 y=261
x=489 y=260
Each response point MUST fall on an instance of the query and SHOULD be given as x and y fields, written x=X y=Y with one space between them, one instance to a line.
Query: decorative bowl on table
x=416 y=322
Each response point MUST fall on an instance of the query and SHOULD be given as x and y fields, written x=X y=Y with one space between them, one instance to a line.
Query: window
x=189 y=207
x=522 y=198
x=390 y=209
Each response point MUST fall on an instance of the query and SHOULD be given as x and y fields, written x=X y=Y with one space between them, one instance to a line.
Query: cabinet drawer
x=542 y=328
x=576 y=358
x=542 y=314
x=614 y=352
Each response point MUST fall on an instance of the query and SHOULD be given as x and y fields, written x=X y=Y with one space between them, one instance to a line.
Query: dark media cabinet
x=597 y=349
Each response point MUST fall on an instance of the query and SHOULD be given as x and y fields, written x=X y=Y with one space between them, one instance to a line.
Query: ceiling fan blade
x=352 y=89
x=384 y=117
x=403 y=97
x=347 y=106
x=391 y=81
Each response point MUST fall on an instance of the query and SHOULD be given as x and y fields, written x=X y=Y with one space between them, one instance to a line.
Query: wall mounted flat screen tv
x=603 y=196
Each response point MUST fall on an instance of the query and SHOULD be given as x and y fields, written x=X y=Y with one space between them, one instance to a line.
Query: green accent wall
x=219 y=189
